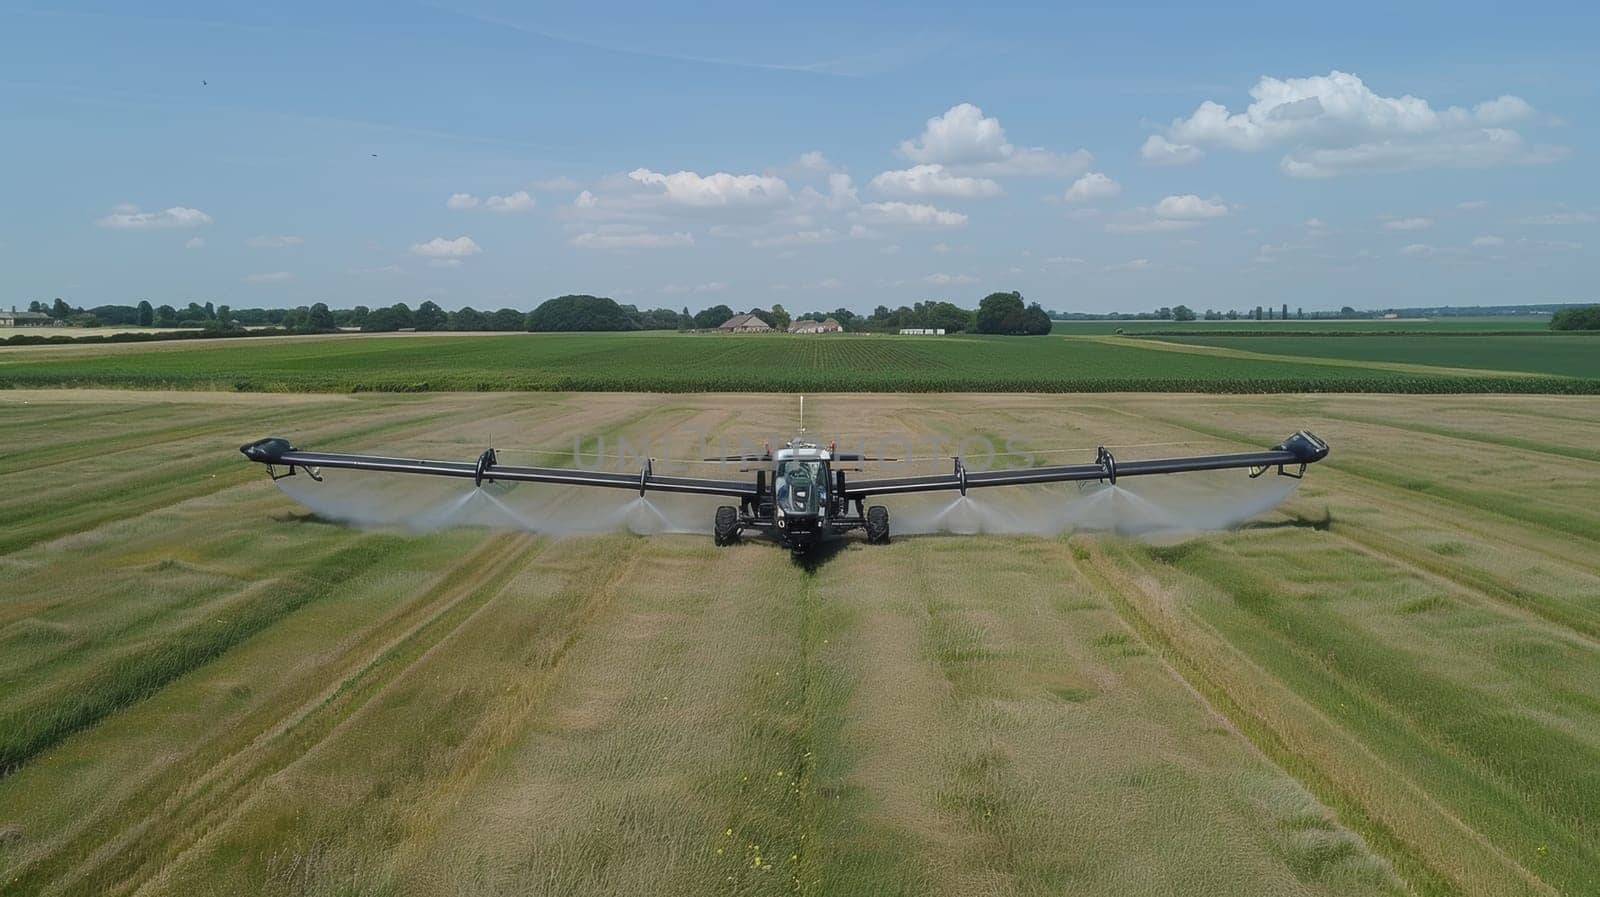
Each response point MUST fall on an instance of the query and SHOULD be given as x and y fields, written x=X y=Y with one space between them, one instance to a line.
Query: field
x=1457 y=324
x=672 y=362
x=1560 y=354
x=1386 y=686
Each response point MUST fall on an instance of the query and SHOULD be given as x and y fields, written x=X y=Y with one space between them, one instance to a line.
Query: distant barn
x=745 y=324
x=826 y=326
x=14 y=318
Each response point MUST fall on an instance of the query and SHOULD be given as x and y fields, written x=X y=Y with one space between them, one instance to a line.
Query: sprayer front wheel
x=726 y=530
x=877 y=525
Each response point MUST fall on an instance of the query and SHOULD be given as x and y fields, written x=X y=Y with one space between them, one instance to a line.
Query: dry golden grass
x=1387 y=686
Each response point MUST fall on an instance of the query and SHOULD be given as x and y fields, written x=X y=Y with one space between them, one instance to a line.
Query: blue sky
x=1119 y=157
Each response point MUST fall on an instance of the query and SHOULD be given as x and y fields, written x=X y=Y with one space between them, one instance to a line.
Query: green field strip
x=1522 y=785
x=1435 y=852
x=1526 y=445
x=1398 y=367
x=451 y=729
x=1433 y=489
x=27 y=730
x=170 y=815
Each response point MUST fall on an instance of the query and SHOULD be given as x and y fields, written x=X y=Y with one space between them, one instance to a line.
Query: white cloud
x=194 y=243
x=862 y=232
x=813 y=162
x=1158 y=150
x=1334 y=124
x=1401 y=224
x=1472 y=205
x=1131 y=265
x=556 y=185
x=1189 y=207
x=1150 y=225
x=946 y=280
x=1560 y=218
x=586 y=200
x=520 y=201
x=1489 y=240
x=911 y=214
x=687 y=189
x=965 y=140
x=127 y=217
x=1565 y=245
x=444 y=263
x=624 y=237
x=891 y=249
x=933 y=180
x=828 y=283
x=1315 y=224
x=798 y=238
x=673 y=289
x=1092 y=186
x=281 y=241
x=941 y=247
x=441 y=248
x=269 y=277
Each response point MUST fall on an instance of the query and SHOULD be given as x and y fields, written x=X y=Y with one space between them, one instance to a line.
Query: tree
x=780 y=318
x=210 y=310
x=166 y=316
x=583 y=312
x=468 y=318
x=224 y=316
x=147 y=315
x=1182 y=313
x=713 y=317
x=1347 y=312
x=685 y=320
x=60 y=309
x=507 y=319
x=1581 y=318
x=429 y=316
x=319 y=318
x=388 y=320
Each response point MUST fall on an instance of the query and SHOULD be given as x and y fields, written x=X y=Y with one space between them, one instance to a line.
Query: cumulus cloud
x=1158 y=150
x=1334 y=124
x=622 y=237
x=946 y=280
x=1189 y=207
x=520 y=201
x=268 y=277
x=910 y=214
x=194 y=243
x=965 y=140
x=280 y=241
x=797 y=238
x=1092 y=186
x=687 y=189
x=1489 y=240
x=1560 y=218
x=933 y=180
x=441 y=248
x=128 y=217
x=1408 y=224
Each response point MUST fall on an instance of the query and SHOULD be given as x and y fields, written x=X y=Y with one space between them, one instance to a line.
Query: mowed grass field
x=673 y=362
x=1456 y=324
x=1387 y=686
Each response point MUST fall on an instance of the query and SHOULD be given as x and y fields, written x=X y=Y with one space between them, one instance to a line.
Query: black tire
x=877 y=525
x=726 y=530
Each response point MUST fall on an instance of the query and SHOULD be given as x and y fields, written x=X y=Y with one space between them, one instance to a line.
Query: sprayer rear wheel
x=726 y=530
x=877 y=525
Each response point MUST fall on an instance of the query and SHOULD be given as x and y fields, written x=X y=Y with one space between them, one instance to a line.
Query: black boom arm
x=1297 y=451
x=276 y=452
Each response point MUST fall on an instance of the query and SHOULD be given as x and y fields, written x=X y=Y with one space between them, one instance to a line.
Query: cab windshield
x=801 y=487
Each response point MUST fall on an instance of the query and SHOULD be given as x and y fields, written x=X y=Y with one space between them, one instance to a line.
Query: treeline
x=1581 y=318
x=998 y=313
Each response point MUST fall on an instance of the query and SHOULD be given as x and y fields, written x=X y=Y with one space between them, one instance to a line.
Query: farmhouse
x=826 y=326
x=745 y=324
x=14 y=318
x=922 y=331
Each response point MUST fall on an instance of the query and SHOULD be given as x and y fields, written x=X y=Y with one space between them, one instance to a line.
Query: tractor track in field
x=193 y=801
x=1360 y=805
